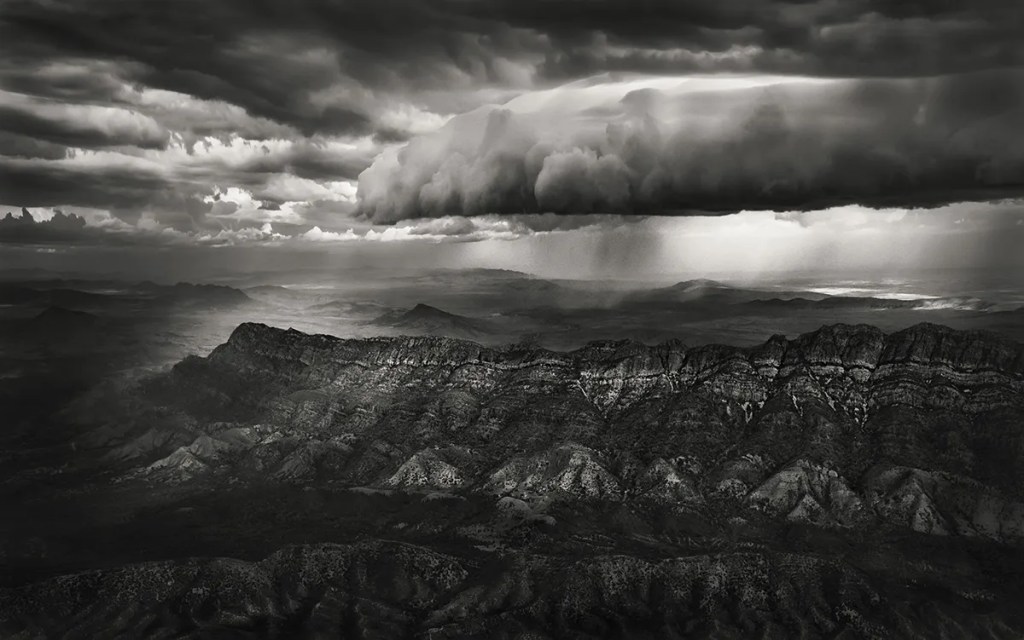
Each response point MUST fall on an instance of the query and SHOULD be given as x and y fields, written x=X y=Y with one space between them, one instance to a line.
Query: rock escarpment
x=813 y=428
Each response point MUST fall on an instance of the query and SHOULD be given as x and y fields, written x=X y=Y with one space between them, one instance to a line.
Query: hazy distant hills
x=424 y=319
x=17 y=294
x=953 y=303
x=97 y=295
x=56 y=328
x=822 y=484
x=710 y=293
x=694 y=291
x=359 y=309
x=210 y=295
x=59 y=319
x=159 y=323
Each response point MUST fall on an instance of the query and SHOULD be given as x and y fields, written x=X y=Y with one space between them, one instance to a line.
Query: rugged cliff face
x=789 y=487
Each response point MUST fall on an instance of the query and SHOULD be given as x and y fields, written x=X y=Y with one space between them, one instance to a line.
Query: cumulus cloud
x=235 y=220
x=55 y=227
x=285 y=187
x=691 y=147
x=436 y=230
x=27 y=229
x=178 y=184
x=316 y=234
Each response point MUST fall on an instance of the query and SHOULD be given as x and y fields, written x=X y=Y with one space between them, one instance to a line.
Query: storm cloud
x=695 y=146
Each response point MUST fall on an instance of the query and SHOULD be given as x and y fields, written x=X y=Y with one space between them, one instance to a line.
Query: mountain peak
x=428 y=320
x=422 y=309
x=63 y=314
x=700 y=283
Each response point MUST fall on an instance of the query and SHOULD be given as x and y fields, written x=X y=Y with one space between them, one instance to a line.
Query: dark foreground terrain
x=847 y=483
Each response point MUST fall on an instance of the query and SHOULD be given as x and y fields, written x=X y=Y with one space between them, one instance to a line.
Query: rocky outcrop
x=809 y=492
x=426 y=470
x=182 y=464
x=943 y=504
x=665 y=482
x=569 y=471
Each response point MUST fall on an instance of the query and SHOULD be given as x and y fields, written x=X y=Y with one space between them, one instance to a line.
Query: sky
x=591 y=138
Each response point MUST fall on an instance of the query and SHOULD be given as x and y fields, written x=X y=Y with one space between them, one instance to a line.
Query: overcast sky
x=323 y=123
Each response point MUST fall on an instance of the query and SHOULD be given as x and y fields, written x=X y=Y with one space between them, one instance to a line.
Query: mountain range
x=843 y=483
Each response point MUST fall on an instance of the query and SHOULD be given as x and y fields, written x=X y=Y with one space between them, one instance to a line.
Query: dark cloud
x=790 y=145
x=48 y=184
x=81 y=80
x=267 y=60
x=80 y=125
x=816 y=38
x=272 y=58
x=315 y=159
x=21 y=146
x=388 y=135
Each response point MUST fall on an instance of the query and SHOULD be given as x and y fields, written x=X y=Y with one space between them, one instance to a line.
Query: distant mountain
x=211 y=295
x=491 y=289
x=718 y=296
x=59 y=318
x=424 y=319
x=698 y=284
x=96 y=295
x=952 y=303
x=55 y=331
x=14 y=293
x=700 y=291
x=478 y=275
x=349 y=308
